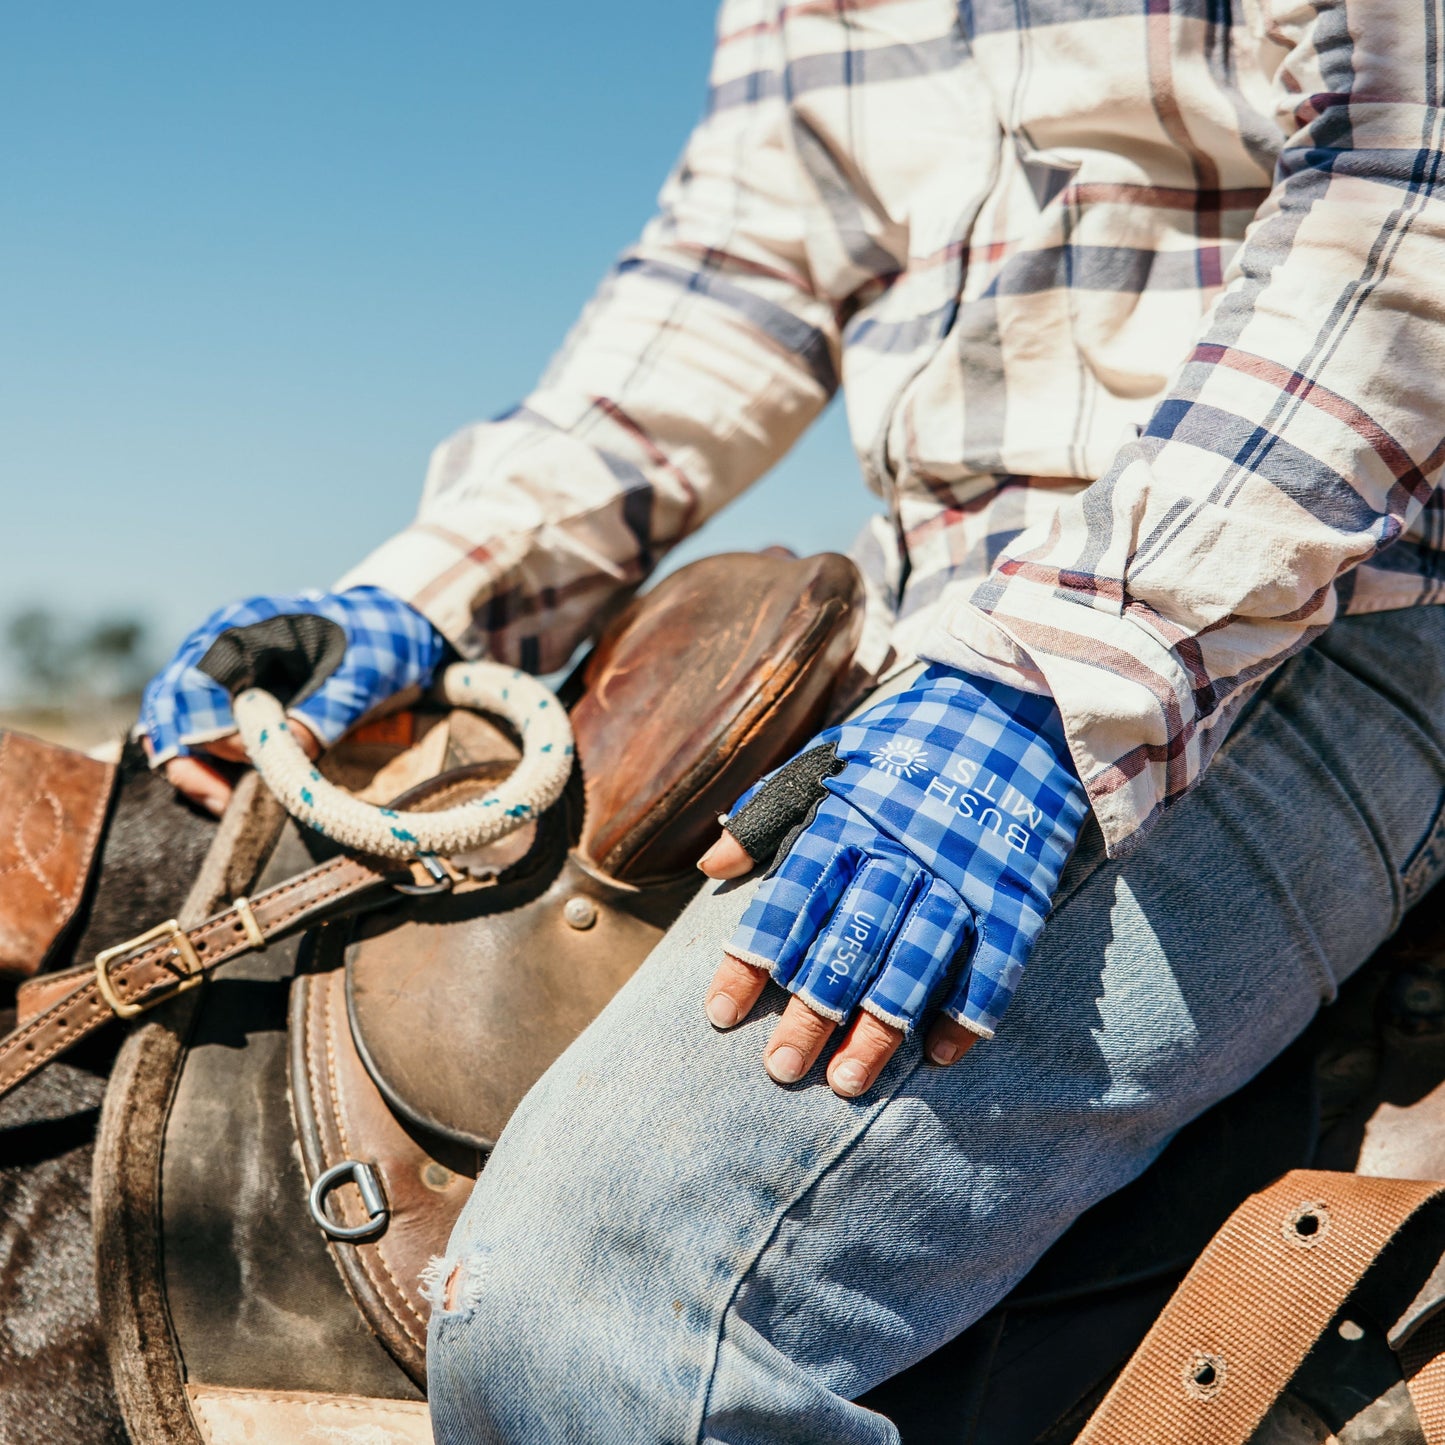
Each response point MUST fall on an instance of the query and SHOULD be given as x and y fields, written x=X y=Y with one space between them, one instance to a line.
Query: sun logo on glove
x=901 y=758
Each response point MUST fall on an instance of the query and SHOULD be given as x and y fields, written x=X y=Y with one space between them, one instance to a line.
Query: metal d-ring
x=365 y=1179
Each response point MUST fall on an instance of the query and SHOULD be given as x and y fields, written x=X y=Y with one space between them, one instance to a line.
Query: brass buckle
x=180 y=945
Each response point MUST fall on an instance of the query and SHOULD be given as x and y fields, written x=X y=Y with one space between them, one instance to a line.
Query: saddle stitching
x=66 y=902
x=317 y=1094
x=38 y=1023
x=29 y=860
x=340 y=1121
x=338 y=1116
x=217 y=927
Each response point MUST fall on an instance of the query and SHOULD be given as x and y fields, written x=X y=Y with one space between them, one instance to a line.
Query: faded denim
x=668 y=1247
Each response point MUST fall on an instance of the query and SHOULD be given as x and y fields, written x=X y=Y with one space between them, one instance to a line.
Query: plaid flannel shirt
x=1139 y=314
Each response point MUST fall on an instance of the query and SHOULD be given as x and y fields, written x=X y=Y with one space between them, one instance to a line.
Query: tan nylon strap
x=1422 y=1359
x=154 y=968
x=1249 y=1311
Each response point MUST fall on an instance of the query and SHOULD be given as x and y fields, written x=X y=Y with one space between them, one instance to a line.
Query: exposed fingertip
x=949 y=1042
x=848 y=1078
x=725 y=859
x=722 y=1011
x=785 y=1064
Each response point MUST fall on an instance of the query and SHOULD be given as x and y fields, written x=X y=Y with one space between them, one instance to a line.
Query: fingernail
x=722 y=1012
x=849 y=1077
x=708 y=856
x=785 y=1064
x=945 y=1051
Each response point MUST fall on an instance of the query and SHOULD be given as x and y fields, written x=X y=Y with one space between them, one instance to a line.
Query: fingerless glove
x=916 y=849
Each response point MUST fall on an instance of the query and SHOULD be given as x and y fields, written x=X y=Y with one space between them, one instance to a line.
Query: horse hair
x=56 y=1379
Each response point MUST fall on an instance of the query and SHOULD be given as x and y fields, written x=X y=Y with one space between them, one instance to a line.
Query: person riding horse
x=1133 y=312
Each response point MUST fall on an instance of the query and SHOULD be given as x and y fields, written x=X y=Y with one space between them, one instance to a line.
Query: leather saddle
x=285 y=1149
x=359 y=1072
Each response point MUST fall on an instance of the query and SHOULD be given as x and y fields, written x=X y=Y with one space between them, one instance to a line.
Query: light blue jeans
x=668 y=1247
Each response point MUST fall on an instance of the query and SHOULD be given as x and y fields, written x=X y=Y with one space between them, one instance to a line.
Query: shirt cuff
x=1128 y=711
x=982 y=651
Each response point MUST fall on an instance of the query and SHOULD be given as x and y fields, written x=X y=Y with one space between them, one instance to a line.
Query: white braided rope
x=533 y=786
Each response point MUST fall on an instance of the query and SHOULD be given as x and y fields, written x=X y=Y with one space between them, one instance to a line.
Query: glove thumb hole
x=781 y=806
x=288 y=656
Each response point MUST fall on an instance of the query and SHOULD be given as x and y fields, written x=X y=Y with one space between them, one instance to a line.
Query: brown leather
x=56 y=1019
x=725 y=664
x=457 y=1017
x=793 y=626
x=53 y=803
x=36 y=995
x=716 y=676
x=426 y=1181
x=1249 y=1311
x=796 y=629
x=153 y=971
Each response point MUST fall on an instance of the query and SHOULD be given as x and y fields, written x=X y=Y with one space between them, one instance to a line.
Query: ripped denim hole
x=454 y=1287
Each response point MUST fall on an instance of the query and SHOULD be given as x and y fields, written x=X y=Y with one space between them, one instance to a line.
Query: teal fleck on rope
x=533 y=786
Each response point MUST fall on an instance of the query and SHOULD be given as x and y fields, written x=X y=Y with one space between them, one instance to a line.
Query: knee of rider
x=455 y=1286
x=497 y=1344
x=452 y=1283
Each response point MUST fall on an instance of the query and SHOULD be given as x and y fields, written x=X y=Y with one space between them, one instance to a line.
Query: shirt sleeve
x=700 y=360
x=1302 y=436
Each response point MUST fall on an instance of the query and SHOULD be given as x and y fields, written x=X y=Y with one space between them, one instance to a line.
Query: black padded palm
x=289 y=656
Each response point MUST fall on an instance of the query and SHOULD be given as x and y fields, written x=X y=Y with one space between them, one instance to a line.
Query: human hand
x=932 y=827
x=329 y=657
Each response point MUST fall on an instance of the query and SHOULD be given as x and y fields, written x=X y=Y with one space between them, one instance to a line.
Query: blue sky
x=256 y=261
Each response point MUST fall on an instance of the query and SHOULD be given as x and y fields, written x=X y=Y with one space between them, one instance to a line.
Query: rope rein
x=537 y=781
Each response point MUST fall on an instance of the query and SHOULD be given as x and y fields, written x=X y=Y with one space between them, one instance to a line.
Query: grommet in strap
x=1306 y=1226
x=1204 y=1376
x=365 y=1179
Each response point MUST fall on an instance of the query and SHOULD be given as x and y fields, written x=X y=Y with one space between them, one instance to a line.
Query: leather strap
x=1250 y=1310
x=151 y=968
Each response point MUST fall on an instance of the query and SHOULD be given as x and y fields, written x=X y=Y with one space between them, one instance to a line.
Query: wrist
x=1035 y=712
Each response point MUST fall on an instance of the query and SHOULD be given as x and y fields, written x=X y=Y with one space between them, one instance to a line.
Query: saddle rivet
x=579 y=912
x=436 y=1176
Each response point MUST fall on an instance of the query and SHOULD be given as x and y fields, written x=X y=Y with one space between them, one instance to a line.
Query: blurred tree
x=56 y=665
x=41 y=661
x=114 y=655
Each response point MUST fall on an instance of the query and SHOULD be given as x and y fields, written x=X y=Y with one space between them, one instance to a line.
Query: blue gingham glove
x=330 y=657
x=929 y=830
